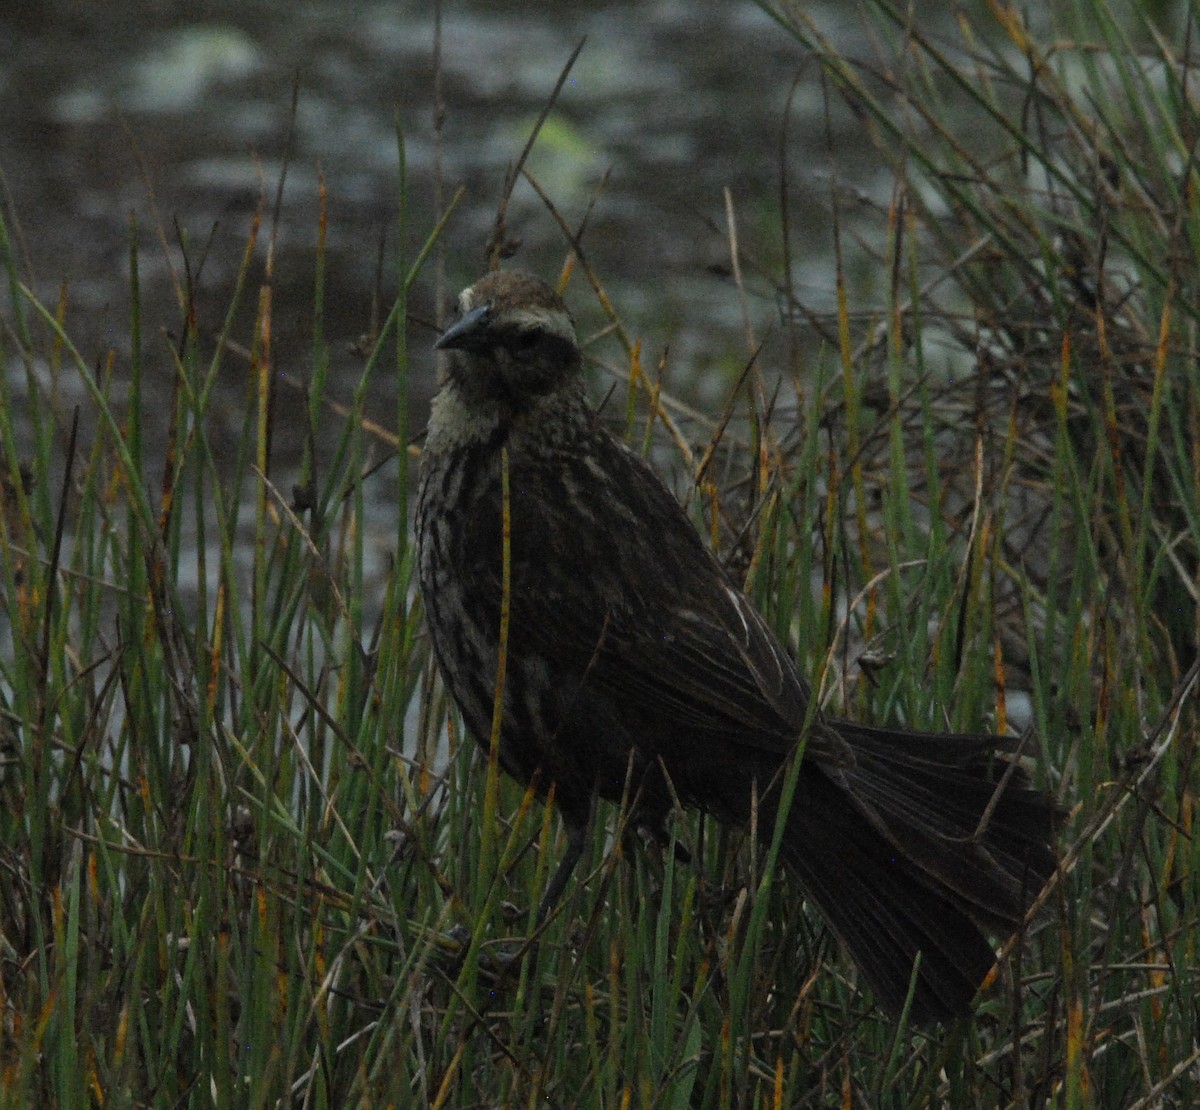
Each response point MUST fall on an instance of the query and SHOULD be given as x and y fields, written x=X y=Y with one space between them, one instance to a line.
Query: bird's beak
x=465 y=332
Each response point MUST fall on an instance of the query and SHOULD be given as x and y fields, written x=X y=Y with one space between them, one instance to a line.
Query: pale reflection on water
x=675 y=100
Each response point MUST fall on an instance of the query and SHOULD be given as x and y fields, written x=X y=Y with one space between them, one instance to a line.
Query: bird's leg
x=577 y=832
x=653 y=830
x=653 y=814
x=576 y=838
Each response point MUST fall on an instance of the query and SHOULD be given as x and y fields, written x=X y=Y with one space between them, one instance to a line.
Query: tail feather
x=916 y=849
x=969 y=816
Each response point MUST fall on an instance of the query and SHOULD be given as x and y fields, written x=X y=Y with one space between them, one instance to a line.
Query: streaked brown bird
x=628 y=646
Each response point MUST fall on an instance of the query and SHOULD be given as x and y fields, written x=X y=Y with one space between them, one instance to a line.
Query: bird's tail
x=920 y=846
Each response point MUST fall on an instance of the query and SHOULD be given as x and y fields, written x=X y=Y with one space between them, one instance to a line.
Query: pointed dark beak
x=465 y=332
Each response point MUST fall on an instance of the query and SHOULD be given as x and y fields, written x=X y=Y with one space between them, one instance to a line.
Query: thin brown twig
x=500 y=245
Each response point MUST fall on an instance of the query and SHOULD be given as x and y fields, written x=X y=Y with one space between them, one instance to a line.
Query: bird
x=634 y=664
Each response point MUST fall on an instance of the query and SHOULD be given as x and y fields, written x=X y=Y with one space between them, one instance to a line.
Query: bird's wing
x=714 y=663
x=658 y=622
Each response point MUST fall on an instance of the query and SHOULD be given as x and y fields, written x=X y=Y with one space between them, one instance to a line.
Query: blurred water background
x=178 y=114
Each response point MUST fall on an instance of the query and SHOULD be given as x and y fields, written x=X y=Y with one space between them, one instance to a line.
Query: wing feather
x=689 y=644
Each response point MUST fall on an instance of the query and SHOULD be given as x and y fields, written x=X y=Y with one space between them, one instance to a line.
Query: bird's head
x=513 y=341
